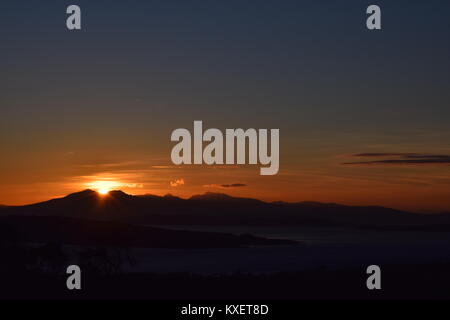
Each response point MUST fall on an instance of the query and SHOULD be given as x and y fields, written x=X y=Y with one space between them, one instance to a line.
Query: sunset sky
x=364 y=117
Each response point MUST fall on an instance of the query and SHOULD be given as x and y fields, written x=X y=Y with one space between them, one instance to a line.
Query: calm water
x=331 y=236
x=332 y=248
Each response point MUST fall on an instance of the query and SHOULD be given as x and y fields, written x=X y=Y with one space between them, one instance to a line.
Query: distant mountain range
x=218 y=209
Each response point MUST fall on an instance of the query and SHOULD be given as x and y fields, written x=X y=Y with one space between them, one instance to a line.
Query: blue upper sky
x=311 y=62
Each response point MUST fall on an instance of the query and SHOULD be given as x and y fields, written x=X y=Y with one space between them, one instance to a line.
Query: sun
x=103 y=191
x=103 y=187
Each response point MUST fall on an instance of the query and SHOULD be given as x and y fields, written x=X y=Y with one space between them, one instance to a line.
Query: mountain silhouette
x=216 y=209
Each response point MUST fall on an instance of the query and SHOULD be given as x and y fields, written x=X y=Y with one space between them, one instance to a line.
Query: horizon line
x=219 y=193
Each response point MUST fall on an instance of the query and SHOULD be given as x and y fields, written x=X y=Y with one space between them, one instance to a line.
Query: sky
x=363 y=115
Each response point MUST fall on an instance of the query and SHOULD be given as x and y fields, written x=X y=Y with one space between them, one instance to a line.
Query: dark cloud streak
x=234 y=185
x=401 y=159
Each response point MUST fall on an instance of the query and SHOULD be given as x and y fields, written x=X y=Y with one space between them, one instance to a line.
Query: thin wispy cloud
x=400 y=159
x=164 y=167
x=233 y=185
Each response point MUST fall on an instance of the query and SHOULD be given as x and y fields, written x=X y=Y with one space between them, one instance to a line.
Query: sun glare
x=103 y=187
x=103 y=191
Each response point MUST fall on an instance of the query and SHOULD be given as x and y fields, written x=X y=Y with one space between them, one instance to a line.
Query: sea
x=316 y=248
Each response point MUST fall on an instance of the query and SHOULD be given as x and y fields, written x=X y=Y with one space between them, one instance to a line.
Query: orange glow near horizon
x=423 y=189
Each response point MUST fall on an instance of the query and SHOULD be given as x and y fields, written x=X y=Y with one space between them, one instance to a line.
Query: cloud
x=176 y=183
x=378 y=155
x=401 y=159
x=164 y=167
x=233 y=185
x=115 y=165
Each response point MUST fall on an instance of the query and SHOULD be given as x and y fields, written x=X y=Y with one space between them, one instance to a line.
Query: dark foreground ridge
x=70 y=231
x=399 y=282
